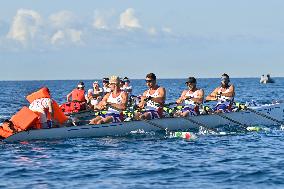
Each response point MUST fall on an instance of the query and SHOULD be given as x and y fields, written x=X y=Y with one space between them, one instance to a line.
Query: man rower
x=224 y=95
x=152 y=100
x=106 y=88
x=126 y=85
x=192 y=98
x=115 y=102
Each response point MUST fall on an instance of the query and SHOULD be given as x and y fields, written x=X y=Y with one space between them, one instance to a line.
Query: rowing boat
x=246 y=117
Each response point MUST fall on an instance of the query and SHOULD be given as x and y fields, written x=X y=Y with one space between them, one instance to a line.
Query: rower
x=106 y=88
x=224 y=95
x=94 y=95
x=192 y=98
x=115 y=102
x=77 y=94
x=126 y=85
x=152 y=100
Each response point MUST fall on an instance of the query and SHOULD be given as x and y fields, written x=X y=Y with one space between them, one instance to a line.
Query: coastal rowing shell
x=275 y=111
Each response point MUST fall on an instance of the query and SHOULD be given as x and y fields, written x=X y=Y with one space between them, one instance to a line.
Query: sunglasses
x=148 y=81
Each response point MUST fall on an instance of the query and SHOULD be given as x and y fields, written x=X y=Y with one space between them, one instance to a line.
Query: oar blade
x=184 y=135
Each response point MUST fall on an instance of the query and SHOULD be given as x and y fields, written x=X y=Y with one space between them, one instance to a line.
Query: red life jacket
x=78 y=95
x=71 y=107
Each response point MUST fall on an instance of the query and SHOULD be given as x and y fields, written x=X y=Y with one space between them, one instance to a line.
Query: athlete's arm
x=69 y=96
x=231 y=92
x=181 y=98
x=50 y=108
x=142 y=101
x=102 y=104
x=213 y=95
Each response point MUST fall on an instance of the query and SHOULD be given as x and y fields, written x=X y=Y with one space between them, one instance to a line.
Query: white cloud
x=25 y=25
x=100 y=23
x=128 y=19
x=100 y=19
x=63 y=19
x=152 y=31
x=66 y=36
x=167 y=30
x=57 y=37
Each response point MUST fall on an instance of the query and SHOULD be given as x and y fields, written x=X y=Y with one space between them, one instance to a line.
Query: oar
x=178 y=134
x=186 y=135
x=202 y=125
x=262 y=115
x=242 y=125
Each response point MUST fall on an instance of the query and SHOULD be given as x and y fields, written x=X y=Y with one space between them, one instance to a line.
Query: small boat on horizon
x=266 y=79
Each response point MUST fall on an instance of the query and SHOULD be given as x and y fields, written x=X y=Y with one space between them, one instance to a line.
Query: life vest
x=5 y=131
x=59 y=115
x=42 y=93
x=78 y=95
x=25 y=119
x=72 y=107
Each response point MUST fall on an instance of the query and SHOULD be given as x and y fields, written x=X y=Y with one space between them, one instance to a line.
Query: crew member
x=192 y=98
x=224 y=95
x=152 y=100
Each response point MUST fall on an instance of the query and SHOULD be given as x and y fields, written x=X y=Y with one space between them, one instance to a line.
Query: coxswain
x=115 y=102
x=224 y=95
x=78 y=94
x=152 y=101
x=192 y=99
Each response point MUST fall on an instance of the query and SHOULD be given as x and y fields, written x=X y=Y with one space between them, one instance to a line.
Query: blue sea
x=250 y=160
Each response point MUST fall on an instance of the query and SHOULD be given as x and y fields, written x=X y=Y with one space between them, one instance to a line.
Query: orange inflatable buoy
x=5 y=131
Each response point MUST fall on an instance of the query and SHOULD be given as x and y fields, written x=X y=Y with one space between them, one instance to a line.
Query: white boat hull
x=248 y=118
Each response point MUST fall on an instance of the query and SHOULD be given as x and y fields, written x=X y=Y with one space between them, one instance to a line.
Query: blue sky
x=92 y=39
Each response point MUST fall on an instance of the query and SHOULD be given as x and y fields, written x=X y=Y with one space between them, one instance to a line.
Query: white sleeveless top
x=97 y=92
x=127 y=89
x=189 y=102
x=224 y=99
x=151 y=105
x=116 y=100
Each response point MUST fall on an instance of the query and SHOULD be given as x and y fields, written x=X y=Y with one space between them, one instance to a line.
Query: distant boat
x=266 y=79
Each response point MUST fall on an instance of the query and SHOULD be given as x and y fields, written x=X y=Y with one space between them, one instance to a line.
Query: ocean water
x=251 y=160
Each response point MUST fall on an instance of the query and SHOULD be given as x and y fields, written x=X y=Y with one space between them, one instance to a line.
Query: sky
x=90 y=39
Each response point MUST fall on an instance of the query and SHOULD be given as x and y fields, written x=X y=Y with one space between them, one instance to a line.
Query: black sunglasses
x=148 y=81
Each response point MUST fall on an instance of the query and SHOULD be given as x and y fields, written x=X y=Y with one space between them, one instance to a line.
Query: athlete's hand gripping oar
x=244 y=107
